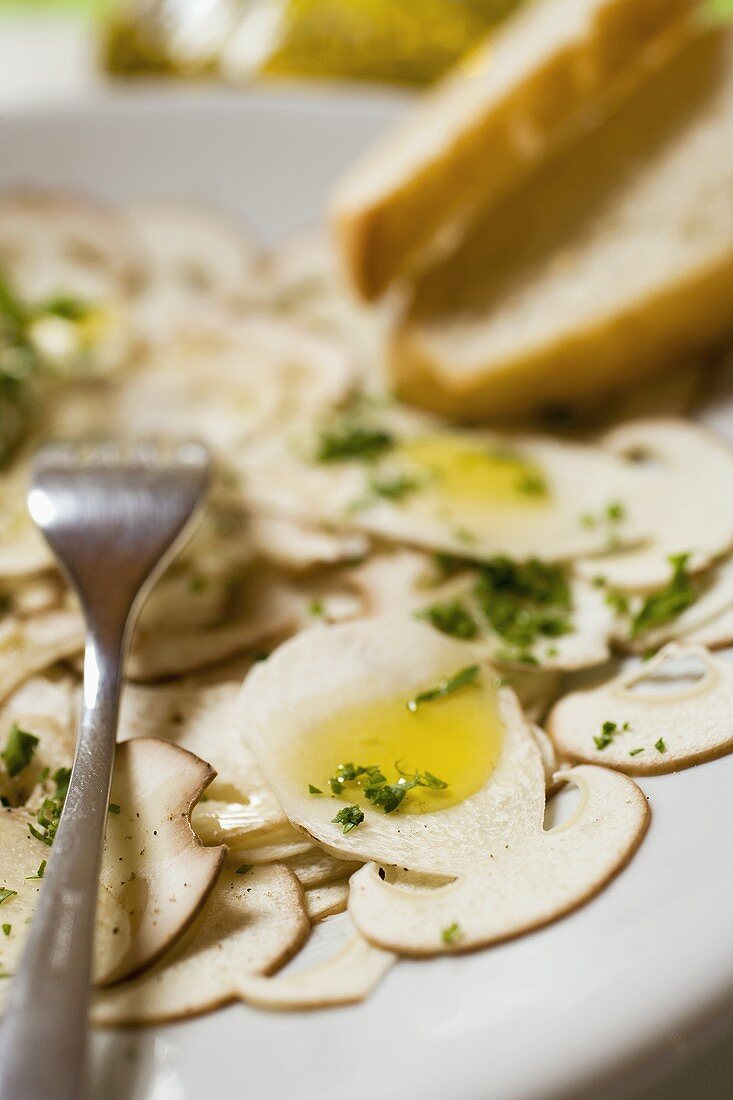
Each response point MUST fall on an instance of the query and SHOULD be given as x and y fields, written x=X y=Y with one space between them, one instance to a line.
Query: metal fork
x=114 y=516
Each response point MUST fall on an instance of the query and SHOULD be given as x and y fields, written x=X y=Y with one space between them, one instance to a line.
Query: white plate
x=592 y=1005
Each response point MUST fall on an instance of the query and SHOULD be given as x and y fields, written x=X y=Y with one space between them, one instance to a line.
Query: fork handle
x=43 y=1034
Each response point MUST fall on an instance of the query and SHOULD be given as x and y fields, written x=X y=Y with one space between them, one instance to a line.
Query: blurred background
x=409 y=43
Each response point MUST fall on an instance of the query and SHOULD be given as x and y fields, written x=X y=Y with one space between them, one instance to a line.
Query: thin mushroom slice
x=346 y=977
x=24 y=859
x=240 y=809
x=710 y=595
x=668 y=713
x=252 y=923
x=687 y=471
x=52 y=244
x=193 y=257
x=208 y=382
x=153 y=863
x=28 y=646
x=321 y=869
x=470 y=494
x=263 y=606
x=515 y=887
x=297 y=546
x=326 y=901
x=569 y=635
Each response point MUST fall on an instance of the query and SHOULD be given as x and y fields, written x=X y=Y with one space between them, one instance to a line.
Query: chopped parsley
x=387 y=796
x=660 y=745
x=349 y=441
x=663 y=606
x=635 y=752
x=197 y=584
x=451 y=933
x=617 y=601
x=19 y=750
x=450 y=684
x=395 y=488
x=5 y=894
x=49 y=814
x=451 y=617
x=608 y=733
x=243 y=869
x=314 y=790
x=7 y=929
x=40 y=872
x=316 y=608
x=349 y=817
x=532 y=484
x=523 y=602
x=113 y=808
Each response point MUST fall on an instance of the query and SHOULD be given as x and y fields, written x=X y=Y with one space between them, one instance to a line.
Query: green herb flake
x=451 y=933
x=113 y=808
x=464 y=678
x=197 y=584
x=615 y=512
x=7 y=929
x=350 y=441
x=314 y=790
x=40 y=872
x=5 y=894
x=243 y=869
x=452 y=618
x=660 y=745
x=669 y=602
x=606 y=736
x=349 y=817
x=523 y=603
x=395 y=488
x=316 y=608
x=19 y=750
x=532 y=484
x=635 y=752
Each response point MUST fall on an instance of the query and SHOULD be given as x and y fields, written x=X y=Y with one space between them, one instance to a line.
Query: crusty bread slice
x=552 y=68
x=613 y=261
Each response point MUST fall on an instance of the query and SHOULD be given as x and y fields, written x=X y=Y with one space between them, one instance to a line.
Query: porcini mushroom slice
x=298 y=546
x=431 y=507
x=240 y=808
x=513 y=887
x=28 y=646
x=348 y=976
x=24 y=860
x=326 y=901
x=193 y=257
x=283 y=705
x=54 y=243
x=661 y=715
x=406 y=580
x=153 y=863
x=687 y=471
x=252 y=923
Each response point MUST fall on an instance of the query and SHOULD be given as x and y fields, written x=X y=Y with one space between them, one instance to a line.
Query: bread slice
x=612 y=262
x=552 y=67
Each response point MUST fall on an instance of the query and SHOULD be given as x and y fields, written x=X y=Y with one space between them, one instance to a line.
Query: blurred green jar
x=409 y=42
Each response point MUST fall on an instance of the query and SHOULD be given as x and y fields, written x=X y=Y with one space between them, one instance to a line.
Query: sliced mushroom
x=687 y=471
x=153 y=863
x=661 y=715
x=252 y=923
x=24 y=859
